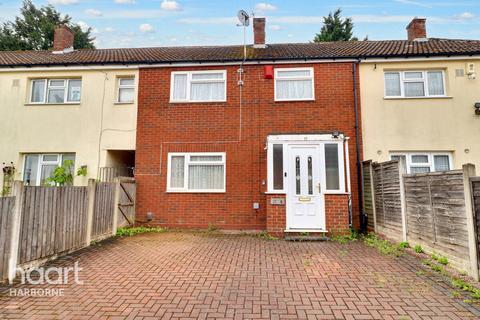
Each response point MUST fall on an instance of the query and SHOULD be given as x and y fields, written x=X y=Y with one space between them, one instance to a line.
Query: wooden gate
x=126 y=203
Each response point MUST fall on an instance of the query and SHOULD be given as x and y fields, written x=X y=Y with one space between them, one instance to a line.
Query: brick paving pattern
x=187 y=275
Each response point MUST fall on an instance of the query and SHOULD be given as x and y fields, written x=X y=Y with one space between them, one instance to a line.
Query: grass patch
x=383 y=246
x=418 y=249
x=128 y=232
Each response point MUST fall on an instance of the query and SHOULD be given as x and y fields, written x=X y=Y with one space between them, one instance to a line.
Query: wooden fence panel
x=476 y=208
x=435 y=204
x=104 y=209
x=7 y=205
x=53 y=221
x=367 y=195
x=386 y=180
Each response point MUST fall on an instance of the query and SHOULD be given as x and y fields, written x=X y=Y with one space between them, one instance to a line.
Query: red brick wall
x=336 y=213
x=276 y=216
x=165 y=127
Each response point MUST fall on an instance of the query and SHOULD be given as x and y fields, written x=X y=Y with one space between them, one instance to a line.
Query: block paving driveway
x=177 y=275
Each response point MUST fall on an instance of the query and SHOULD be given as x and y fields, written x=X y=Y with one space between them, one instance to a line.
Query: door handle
x=319 y=186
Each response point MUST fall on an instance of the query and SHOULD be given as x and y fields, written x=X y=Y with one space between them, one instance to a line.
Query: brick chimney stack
x=259 y=33
x=417 y=30
x=63 y=39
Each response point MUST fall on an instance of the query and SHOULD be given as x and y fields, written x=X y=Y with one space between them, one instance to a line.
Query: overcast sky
x=140 y=23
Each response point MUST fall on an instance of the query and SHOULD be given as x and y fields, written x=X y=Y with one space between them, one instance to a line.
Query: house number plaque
x=277 y=201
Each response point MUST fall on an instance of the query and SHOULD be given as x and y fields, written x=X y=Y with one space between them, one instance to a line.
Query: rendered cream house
x=422 y=106
x=52 y=113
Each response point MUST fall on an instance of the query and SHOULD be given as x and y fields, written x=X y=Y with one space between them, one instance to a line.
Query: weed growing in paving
x=439 y=259
x=128 y=232
x=346 y=238
x=418 y=249
x=266 y=236
x=404 y=245
x=212 y=227
x=383 y=246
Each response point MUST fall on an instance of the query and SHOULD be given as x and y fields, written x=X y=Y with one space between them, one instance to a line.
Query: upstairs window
x=424 y=162
x=126 y=90
x=199 y=86
x=414 y=84
x=55 y=91
x=294 y=84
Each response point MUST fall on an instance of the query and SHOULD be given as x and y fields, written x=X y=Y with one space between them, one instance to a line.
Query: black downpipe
x=357 y=143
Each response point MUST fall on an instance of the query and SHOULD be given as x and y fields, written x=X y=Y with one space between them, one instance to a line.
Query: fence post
x=116 y=204
x=468 y=172
x=372 y=192
x=16 y=221
x=401 y=171
x=91 y=208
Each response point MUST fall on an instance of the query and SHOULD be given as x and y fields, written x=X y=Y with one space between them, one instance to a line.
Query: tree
x=34 y=28
x=335 y=28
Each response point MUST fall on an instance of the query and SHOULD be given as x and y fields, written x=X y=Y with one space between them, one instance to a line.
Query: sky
x=144 y=23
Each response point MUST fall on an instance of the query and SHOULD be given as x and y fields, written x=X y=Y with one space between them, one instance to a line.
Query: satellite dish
x=244 y=18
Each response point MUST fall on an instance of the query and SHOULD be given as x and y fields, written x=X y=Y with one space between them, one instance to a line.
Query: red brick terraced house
x=270 y=142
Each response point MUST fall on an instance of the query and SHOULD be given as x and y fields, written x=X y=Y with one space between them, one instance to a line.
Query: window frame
x=424 y=80
x=189 y=82
x=311 y=77
x=188 y=162
x=431 y=159
x=47 y=88
x=42 y=162
x=130 y=86
x=341 y=167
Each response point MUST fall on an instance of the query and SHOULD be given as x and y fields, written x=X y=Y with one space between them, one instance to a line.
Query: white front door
x=305 y=199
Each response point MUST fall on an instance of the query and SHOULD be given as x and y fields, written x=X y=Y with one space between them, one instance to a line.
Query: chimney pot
x=259 y=33
x=63 y=39
x=416 y=29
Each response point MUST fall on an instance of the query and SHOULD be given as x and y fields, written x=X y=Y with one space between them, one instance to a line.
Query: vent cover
x=459 y=72
x=15 y=83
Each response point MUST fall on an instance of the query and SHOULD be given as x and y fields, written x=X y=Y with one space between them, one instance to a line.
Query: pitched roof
x=290 y=51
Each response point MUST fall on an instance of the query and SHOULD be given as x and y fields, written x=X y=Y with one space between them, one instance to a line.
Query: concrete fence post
x=372 y=192
x=92 y=184
x=401 y=172
x=16 y=221
x=116 y=205
x=469 y=172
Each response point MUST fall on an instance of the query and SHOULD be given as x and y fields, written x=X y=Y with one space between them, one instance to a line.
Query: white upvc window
x=196 y=172
x=55 y=91
x=199 y=86
x=126 y=89
x=294 y=84
x=424 y=162
x=39 y=167
x=414 y=84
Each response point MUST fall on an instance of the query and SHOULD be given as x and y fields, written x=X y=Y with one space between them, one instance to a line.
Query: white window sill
x=124 y=103
x=279 y=192
x=305 y=230
x=294 y=100
x=195 y=191
x=54 y=104
x=194 y=102
x=413 y=98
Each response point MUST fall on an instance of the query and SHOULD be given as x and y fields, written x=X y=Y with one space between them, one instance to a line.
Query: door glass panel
x=332 y=169
x=297 y=175
x=310 y=176
x=278 y=166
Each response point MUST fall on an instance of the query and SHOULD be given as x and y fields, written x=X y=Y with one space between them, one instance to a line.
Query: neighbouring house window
x=294 y=84
x=126 y=90
x=196 y=172
x=199 y=86
x=412 y=84
x=55 y=91
x=332 y=166
x=423 y=162
x=39 y=167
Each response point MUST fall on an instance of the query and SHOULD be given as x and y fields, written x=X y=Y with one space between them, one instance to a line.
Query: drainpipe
x=357 y=144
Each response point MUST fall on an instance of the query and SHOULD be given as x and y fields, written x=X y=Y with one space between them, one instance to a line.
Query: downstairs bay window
x=424 y=162
x=196 y=172
x=39 y=167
